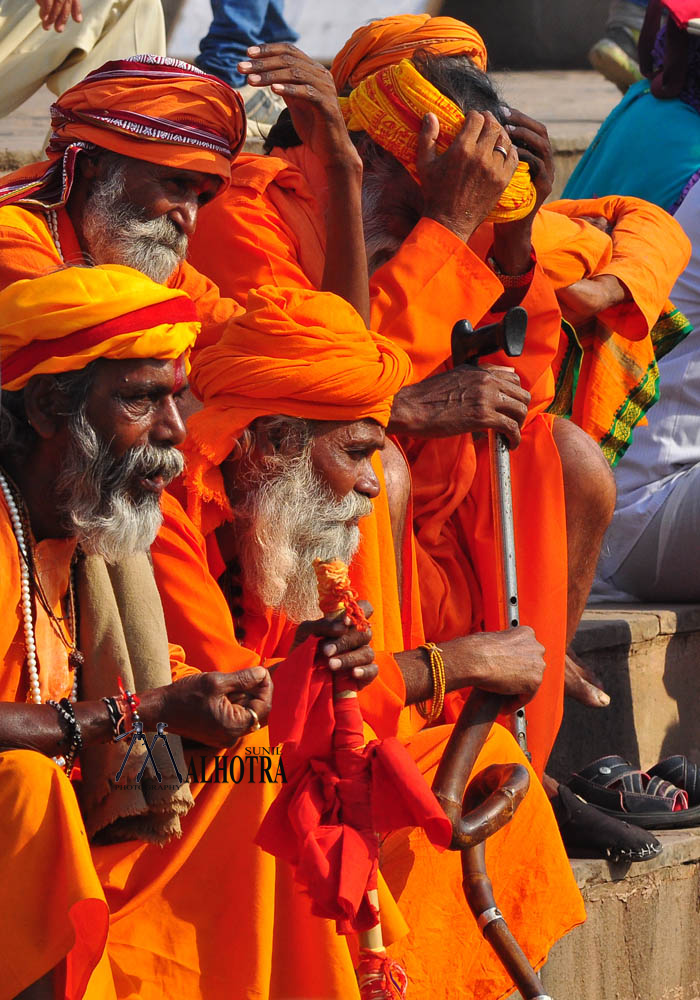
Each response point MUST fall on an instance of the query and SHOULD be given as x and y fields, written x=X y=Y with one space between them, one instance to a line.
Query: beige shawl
x=122 y=634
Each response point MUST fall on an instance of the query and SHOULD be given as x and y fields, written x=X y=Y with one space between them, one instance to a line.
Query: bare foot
x=581 y=683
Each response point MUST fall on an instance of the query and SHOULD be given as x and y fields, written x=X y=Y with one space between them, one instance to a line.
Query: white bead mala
x=26 y=599
x=52 y=219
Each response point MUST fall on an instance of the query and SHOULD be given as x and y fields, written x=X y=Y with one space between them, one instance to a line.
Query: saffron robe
x=272 y=217
x=444 y=952
x=170 y=917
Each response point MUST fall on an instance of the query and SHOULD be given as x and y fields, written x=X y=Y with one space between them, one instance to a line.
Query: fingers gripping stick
x=468 y=345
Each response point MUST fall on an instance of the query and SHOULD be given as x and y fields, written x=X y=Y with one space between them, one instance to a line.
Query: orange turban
x=389 y=40
x=390 y=106
x=60 y=322
x=148 y=107
x=296 y=352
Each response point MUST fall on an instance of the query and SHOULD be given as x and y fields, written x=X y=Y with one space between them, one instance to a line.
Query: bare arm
x=509 y=663
x=210 y=708
x=309 y=92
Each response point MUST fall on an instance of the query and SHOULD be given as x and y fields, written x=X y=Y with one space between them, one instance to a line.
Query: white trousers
x=31 y=57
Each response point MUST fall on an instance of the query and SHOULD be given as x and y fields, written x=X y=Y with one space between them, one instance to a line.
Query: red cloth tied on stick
x=341 y=793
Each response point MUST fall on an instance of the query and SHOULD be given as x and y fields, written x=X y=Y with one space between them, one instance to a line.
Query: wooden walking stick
x=468 y=345
x=477 y=809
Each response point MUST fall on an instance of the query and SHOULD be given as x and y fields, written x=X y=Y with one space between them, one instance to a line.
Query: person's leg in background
x=236 y=25
x=615 y=55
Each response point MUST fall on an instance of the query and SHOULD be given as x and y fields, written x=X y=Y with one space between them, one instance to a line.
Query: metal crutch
x=468 y=345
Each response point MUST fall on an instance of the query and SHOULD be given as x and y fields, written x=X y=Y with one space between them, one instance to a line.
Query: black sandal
x=583 y=827
x=644 y=799
x=682 y=773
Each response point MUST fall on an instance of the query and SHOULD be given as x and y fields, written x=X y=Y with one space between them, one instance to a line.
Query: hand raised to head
x=309 y=92
x=463 y=184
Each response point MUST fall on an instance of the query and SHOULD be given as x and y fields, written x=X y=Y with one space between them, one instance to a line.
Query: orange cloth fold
x=386 y=41
x=147 y=107
x=299 y=353
x=390 y=106
x=60 y=322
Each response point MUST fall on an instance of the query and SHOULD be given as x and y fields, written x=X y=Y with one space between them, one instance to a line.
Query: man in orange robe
x=94 y=361
x=276 y=383
x=270 y=218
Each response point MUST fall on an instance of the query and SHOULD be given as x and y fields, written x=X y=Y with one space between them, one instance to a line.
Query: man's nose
x=184 y=215
x=169 y=427
x=368 y=484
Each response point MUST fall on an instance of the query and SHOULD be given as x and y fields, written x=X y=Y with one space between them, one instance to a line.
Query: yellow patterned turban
x=390 y=106
x=62 y=321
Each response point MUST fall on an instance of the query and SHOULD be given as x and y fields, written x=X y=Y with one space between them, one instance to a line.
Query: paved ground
x=572 y=103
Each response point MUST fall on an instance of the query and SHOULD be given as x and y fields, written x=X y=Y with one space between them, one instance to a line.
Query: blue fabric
x=646 y=148
x=236 y=25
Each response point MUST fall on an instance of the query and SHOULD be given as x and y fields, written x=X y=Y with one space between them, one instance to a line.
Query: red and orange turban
x=148 y=107
x=387 y=41
x=60 y=322
x=296 y=352
x=390 y=106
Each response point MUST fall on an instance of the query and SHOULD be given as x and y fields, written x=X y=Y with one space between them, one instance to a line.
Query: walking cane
x=468 y=345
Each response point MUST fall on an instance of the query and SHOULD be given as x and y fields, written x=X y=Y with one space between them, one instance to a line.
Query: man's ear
x=42 y=405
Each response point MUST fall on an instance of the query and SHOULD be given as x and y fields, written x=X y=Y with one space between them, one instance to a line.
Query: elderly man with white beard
x=279 y=469
x=94 y=362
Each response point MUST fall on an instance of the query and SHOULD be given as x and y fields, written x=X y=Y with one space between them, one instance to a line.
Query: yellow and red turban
x=150 y=108
x=60 y=322
x=387 y=41
x=390 y=106
x=297 y=352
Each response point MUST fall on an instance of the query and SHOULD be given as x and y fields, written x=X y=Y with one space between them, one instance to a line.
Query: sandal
x=682 y=773
x=584 y=827
x=649 y=801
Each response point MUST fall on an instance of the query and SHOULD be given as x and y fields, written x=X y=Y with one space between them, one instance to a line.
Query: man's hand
x=510 y=663
x=309 y=92
x=463 y=400
x=213 y=708
x=461 y=186
x=512 y=240
x=348 y=651
x=590 y=296
x=57 y=12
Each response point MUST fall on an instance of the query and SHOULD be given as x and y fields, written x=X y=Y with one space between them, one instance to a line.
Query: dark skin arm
x=508 y=663
x=309 y=93
x=512 y=241
x=210 y=708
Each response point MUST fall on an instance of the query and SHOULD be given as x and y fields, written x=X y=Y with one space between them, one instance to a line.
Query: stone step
x=640 y=941
x=649 y=661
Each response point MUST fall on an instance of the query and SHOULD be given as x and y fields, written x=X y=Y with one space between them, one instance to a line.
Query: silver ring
x=488 y=916
x=502 y=150
x=255 y=721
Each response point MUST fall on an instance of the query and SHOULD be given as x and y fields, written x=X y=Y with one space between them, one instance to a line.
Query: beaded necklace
x=28 y=583
x=52 y=219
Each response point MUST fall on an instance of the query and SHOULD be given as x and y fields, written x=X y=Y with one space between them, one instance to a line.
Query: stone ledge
x=609 y=625
x=681 y=847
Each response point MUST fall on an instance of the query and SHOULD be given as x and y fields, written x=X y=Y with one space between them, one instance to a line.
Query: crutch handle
x=468 y=344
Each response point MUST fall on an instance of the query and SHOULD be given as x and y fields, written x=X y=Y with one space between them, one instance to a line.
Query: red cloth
x=340 y=793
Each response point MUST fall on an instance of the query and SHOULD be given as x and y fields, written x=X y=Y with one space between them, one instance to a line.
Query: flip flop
x=584 y=827
x=682 y=773
x=648 y=801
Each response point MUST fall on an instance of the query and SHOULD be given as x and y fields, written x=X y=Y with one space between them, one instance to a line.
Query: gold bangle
x=437 y=672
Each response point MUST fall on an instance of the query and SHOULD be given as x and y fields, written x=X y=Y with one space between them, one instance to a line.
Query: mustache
x=146 y=462
x=161 y=230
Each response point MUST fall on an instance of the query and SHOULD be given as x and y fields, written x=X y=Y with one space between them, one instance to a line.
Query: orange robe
x=170 y=915
x=27 y=249
x=526 y=854
x=272 y=217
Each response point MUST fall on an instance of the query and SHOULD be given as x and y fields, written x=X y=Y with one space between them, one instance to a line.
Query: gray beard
x=101 y=502
x=118 y=233
x=289 y=518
